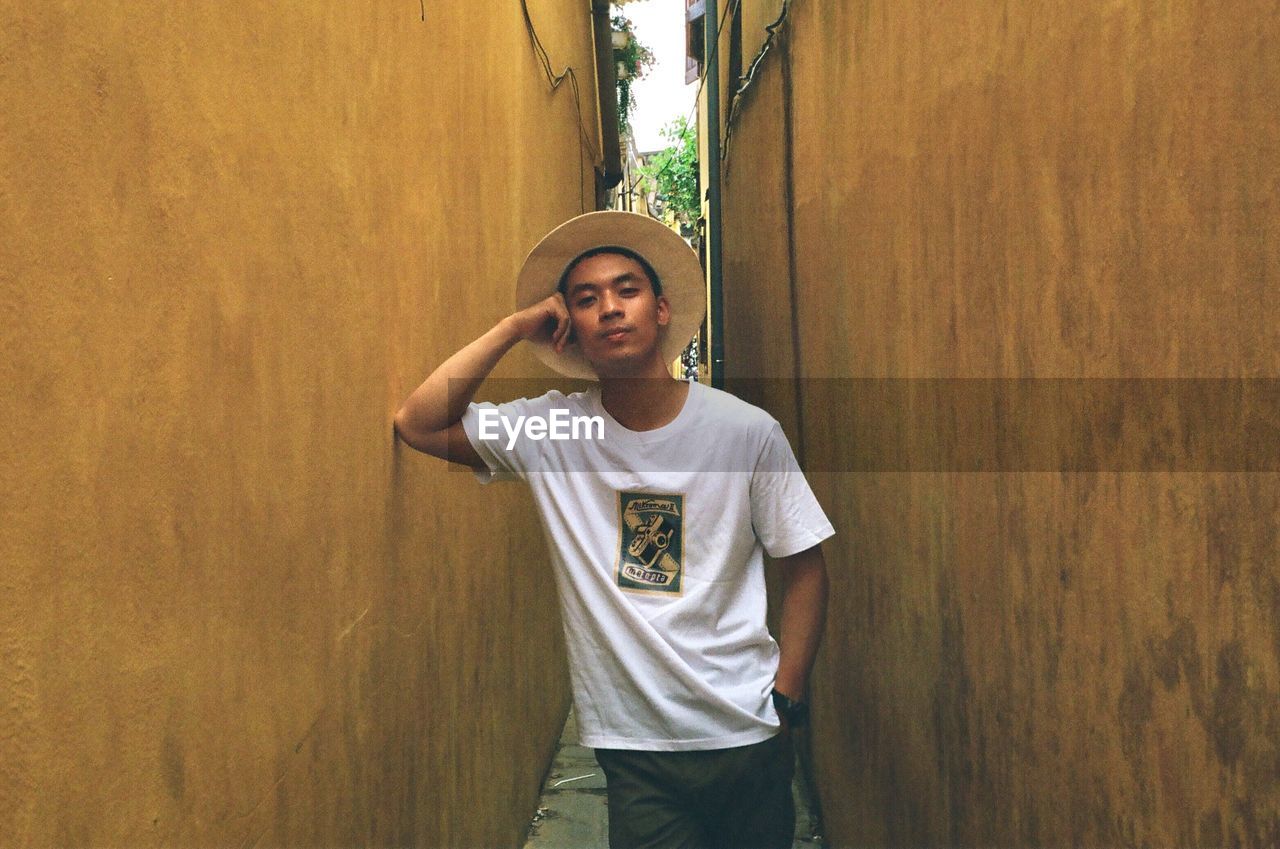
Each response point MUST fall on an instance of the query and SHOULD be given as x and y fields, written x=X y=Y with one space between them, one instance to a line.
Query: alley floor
x=572 y=813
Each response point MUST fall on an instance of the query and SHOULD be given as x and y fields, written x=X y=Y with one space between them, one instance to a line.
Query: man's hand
x=546 y=321
x=786 y=726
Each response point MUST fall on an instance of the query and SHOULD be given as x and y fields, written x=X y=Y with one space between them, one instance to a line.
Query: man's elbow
x=405 y=431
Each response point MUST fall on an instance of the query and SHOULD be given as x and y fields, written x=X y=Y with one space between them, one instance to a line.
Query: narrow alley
x=976 y=301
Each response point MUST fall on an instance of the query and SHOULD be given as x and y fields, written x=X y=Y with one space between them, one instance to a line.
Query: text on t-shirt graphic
x=651 y=556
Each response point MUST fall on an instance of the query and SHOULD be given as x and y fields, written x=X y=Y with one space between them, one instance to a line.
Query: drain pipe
x=715 y=315
x=610 y=172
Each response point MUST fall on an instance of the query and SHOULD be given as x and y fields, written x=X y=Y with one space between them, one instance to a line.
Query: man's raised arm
x=430 y=419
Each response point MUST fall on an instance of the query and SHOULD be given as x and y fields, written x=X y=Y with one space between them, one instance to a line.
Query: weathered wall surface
x=1028 y=655
x=233 y=611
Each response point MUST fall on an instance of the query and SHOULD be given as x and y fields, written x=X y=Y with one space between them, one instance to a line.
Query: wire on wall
x=745 y=81
x=554 y=80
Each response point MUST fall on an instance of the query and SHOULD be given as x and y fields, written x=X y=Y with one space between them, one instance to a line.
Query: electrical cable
x=554 y=80
x=745 y=81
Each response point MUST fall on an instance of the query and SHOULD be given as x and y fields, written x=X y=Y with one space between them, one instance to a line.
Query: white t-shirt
x=656 y=541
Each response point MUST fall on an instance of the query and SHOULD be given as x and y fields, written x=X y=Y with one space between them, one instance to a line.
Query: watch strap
x=796 y=713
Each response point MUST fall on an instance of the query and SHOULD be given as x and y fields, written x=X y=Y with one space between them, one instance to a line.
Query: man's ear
x=664 y=310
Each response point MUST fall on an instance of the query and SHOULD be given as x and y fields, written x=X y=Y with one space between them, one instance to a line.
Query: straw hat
x=677 y=266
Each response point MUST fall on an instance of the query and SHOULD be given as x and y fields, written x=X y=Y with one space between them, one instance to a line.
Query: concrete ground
x=573 y=813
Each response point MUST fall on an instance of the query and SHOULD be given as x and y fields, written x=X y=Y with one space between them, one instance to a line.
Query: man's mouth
x=616 y=333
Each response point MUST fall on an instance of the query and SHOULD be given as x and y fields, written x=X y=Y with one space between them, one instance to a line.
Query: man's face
x=616 y=317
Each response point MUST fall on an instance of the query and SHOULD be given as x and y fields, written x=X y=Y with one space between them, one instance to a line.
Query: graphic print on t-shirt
x=651 y=558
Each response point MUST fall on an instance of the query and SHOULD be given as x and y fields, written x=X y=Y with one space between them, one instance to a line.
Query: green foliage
x=636 y=59
x=674 y=170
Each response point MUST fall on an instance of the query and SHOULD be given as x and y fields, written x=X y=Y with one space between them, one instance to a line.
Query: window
x=695 y=16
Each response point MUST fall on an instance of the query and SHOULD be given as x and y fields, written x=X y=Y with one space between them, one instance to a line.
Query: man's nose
x=610 y=304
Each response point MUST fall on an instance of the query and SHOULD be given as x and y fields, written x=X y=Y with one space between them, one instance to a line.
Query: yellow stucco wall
x=1025 y=657
x=233 y=611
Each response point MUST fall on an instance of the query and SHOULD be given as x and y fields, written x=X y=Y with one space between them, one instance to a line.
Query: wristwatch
x=795 y=713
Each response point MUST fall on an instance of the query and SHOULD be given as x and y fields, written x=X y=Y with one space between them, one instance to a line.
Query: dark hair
x=610 y=249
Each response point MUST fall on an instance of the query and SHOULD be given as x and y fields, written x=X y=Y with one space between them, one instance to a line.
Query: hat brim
x=675 y=263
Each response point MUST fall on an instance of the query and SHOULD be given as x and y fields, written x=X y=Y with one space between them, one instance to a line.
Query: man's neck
x=644 y=403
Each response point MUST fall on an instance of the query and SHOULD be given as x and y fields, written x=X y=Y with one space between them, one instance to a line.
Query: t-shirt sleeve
x=784 y=511
x=506 y=459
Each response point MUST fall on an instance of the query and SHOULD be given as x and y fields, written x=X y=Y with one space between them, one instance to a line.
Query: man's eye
x=585 y=301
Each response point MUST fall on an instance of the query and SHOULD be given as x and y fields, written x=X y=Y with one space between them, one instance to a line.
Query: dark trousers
x=737 y=798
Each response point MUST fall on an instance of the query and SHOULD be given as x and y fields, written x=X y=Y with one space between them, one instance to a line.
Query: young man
x=656 y=524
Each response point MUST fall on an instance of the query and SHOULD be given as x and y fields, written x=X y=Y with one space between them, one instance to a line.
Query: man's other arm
x=430 y=420
x=804 y=611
